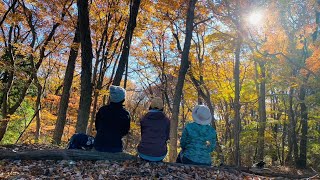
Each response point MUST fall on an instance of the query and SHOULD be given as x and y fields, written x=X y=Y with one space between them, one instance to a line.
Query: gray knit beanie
x=117 y=94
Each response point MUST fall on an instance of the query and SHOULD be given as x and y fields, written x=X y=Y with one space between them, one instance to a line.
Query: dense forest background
x=255 y=64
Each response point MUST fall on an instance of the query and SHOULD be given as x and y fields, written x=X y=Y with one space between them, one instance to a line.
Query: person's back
x=198 y=138
x=155 y=129
x=199 y=142
x=112 y=123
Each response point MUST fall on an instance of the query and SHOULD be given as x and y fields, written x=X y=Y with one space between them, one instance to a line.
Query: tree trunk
x=292 y=137
x=86 y=66
x=302 y=163
x=304 y=130
x=237 y=120
x=285 y=132
x=67 y=83
x=276 y=116
x=262 y=112
x=38 y=107
x=134 y=9
x=181 y=77
x=7 y=87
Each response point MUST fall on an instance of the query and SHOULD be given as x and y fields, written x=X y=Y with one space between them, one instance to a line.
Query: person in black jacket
x=112 y=122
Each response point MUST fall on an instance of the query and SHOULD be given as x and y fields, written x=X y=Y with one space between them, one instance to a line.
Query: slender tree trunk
x=181 y=77
x=262 y=112
x=134 y=9
x=183 y=121
x=284 y=135
x=38 y=107
x=302 y=163
x=86 y=66
x=126 y=76
x=276 y=116
x=293 y=146
x=226 y=118
x=237 y=120
x=201 y=81
x=67 y=83
x=285 y=132
x=4 y=125
x=304 y=130
x=5 y=116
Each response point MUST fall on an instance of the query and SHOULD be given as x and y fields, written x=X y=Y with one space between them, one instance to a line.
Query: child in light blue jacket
x=198 y=138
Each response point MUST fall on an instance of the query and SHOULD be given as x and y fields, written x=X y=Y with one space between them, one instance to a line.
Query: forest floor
x=132 y=169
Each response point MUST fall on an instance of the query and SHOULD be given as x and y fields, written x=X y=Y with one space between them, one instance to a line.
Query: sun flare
x=255 y=18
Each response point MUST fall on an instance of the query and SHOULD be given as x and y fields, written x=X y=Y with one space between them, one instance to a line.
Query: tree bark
x=38 y=110
x=67 y=83
x=262 y=112
x=181 y=77
x=304 y=130
x=134 y=9
x=86 y=66
x=302 y=163
x=292 y=137
x=237 y=120
x=6 y=90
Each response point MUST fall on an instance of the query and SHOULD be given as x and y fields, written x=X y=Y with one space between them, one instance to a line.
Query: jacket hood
x=155 y=115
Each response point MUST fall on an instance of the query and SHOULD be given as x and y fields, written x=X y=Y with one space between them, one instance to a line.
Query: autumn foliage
x=275 y=88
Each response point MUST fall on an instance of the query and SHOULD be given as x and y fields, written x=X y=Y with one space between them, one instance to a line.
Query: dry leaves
x=104 y=169
x=65 y=169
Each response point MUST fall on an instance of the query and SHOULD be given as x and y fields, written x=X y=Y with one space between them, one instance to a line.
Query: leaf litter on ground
x=105 y=169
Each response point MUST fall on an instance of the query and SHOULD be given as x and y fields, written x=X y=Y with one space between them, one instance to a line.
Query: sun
x=255 y=18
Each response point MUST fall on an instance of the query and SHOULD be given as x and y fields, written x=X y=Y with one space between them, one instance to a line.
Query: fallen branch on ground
x=64 y=154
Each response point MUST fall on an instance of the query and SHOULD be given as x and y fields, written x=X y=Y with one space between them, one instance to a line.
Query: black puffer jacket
x=112 y=123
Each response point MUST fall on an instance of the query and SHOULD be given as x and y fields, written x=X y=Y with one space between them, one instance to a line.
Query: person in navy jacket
x=155 y=128
x=112 y=122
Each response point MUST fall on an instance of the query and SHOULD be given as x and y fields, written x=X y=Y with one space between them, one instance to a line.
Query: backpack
x=81 y=141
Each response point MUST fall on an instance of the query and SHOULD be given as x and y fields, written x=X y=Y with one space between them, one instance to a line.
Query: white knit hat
x=201 y=115
x=117 y=94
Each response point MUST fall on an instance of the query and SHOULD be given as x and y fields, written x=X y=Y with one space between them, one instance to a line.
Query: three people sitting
x=113 y=123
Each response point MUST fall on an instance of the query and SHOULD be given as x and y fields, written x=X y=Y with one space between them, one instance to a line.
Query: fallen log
x=64 y=154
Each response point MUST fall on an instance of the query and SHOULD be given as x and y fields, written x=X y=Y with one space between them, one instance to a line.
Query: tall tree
x=237 y=120
x=184 y=65
x=262 y=111
x=67 y=83
x=134 y=9
x=86 y=66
